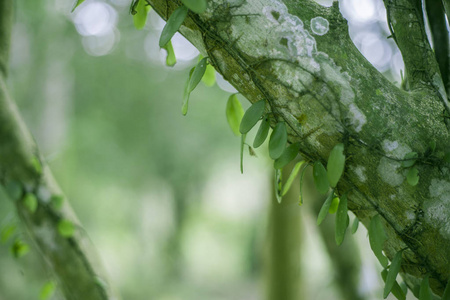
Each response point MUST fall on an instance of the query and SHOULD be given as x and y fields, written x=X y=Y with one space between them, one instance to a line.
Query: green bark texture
x=24 y=175
x=298 y=56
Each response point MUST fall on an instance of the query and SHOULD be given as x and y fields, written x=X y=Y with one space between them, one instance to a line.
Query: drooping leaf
x=396 y=290
x=252 y=116
x=197 y=6
x=234 y=113
x=19 y=249
x=57 y=201
x=13 y=190
x=292 y=176
x=394 y=268
x=47 y=290
x=198 y=73
x=341 y=220
x=140 y=17
x=173 y=24
x=66 y=228
x=334 y=206
x=425 y=291
x=278 y=140
x=355 y=225
x=186 y=94
x=171 y=59
x=242 y=152
x=403 y=287
x=288 y=155
x=7 y=232
x=446 y=295
x=413 y=176
x=302 y=174
x=262 y=133
x=377 y=237
x=325 y=208
x=30 y=202
x=36 y=165
x=210 y=76
x=410 y=159
x=320 y=178
x=335 y=165
x=77 y=3
x=251 y=152
x=278 y=185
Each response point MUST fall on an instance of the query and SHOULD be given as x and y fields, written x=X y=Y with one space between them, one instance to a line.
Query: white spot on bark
x=47 y=233
x=319 y=25
x=410 y=215
x=395 y=149
x=437 y=209
x=389 y=172
x=360 y=171
x=357 y=117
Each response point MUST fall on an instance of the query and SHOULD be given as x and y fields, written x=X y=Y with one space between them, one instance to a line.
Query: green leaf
x=197 y=6
x=325 y=208
x=425 y=291
x=7 y=232
x=278 y=185
x=198 y=73
x=355 y=225
x=77 y=3
x=242 y=152
x=320 y=178
x=30 y=202
x=210 y=76
x=397 y=291
x=291 y=177
x=341 y=220
x=186 y=94
x=446 y=295
x=262 y=133
x=171 y=59
x=140 y=15
x=234 y=113
x=288 y=155
x=66 y=228
x=57 y=201
x=19 y=249
x=47 y=290
x=13 y=190
x=377 y=237
x=278 y=140
x=335 y=165
x=300 y=200
x=410 y=159
x=173 y=24
x=252 y=116
x=334 y=206
x=413 y=176
x=394 y=268
x=36 y=165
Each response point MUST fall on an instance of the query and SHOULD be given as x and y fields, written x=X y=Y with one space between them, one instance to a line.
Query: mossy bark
x=327 y=93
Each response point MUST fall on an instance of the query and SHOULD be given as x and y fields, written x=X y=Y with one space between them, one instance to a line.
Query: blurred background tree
x=160 y=194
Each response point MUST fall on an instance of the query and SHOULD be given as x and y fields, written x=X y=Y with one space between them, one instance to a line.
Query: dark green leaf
x=234 y=113
x=77 y=3
x=57 y=201
x=197 y=6
x=320 y=178
x=186 y=94
x=19 y=249
x=334 y=206
x=425 y=291
x=173 y=24
x=30 y=202
x=302 y=174
x=377 y=237
x=394 y=268
x=397 y=291
x=325 y=208
x=262 y=133
x=410 y=159
x=210 y=76
x=447 y=157
x=335 y=165
x=47 y=289
x=198 y=73
x=171 y=59
x=355 y=225
x=413 y=176
x=66 y=228
x=242 y=152
x=278 y=185
x=7 y=232
x=341 y=220
x=291 y=177
x=278 y=140
x=252 y=116
x=140 y=17
x=446 y=295
x=288 y=155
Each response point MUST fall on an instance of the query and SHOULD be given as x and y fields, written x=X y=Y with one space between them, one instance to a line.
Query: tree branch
x=298 y=57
